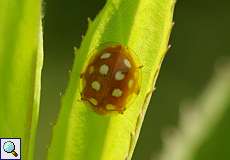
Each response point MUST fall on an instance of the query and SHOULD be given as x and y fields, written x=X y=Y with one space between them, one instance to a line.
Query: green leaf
x=203 y=131
x=20 y=70
x=142 y=25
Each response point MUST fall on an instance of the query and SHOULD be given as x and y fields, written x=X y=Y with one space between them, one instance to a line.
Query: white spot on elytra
x=119 y=76
x=127 y=63
x=96 y=85
x=105 y=55
x=93 y=101
x=110 y=107
x=104 y=69
x=117 y=92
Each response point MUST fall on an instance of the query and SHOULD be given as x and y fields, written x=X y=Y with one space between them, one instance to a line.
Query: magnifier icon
x=9 y=147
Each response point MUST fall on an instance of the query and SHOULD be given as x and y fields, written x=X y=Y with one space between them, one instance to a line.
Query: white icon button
x=10 y=148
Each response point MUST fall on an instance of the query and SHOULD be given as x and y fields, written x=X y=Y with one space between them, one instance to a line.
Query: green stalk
x=81 y=134
x=21 y=58
x=203 y=131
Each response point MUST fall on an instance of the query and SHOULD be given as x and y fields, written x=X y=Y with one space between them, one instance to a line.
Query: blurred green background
x=200 y=39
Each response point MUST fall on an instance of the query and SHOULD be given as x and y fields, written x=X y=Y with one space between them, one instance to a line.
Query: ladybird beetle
x=110 y=79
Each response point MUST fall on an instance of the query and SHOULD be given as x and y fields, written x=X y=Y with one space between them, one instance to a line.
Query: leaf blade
x=20 y=71
x=113 y=137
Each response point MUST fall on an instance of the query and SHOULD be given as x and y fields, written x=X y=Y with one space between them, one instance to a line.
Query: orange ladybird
x=110 y=79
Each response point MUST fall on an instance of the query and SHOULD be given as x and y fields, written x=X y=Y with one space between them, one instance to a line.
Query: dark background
x=200 y=39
